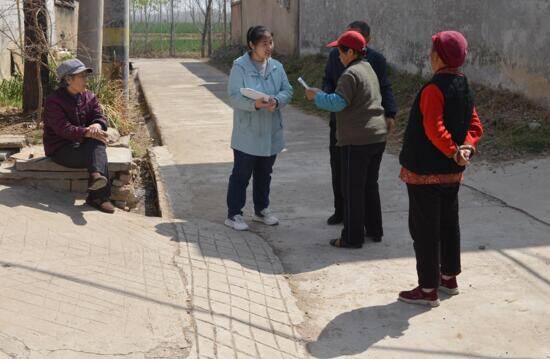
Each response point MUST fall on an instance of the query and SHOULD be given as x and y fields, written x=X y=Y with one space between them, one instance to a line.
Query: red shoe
x=449 y=286
x=418 y=296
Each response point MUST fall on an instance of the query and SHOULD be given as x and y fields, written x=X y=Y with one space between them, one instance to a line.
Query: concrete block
x=118 y=183
x=8 y=171
x=125 y=193
x=42 y=164
x=28 y=152
x=57 y=185
x=123 y=141
x=113 y=135
x=124 y=178
x=120 y=159
x=12 y=141
x=79 y=186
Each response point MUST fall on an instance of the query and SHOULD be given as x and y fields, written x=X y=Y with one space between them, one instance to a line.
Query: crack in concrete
x=189 y=333
x=505 y=204
x=15 y=339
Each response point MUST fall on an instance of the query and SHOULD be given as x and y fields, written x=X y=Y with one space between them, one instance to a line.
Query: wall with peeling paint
x=509 y=39
x=9 y=30
x=281 y=16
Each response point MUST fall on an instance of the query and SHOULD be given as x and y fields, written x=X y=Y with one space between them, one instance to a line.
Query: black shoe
x=336 y=218
x=376 y=239
x=339 y=243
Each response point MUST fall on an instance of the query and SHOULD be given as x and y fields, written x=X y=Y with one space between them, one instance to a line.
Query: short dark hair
x=362 y=26
x=255 y=34
x=346 y=49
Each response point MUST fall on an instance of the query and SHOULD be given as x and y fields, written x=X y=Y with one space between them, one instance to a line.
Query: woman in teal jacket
x=257 y=135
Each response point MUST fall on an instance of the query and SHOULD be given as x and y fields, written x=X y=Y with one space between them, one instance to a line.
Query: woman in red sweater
x=441 y=137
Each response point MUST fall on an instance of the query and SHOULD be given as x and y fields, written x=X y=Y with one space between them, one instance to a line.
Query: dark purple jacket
x=66 y=118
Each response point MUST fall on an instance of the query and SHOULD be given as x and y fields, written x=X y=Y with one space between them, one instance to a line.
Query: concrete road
x=349 y=297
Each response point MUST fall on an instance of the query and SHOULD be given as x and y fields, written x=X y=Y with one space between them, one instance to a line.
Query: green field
x=187 y=42
x=180 y=28
x=159 y=45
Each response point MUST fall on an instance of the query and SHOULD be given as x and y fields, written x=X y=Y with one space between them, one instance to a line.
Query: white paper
x=303 y=83
x=254 y=95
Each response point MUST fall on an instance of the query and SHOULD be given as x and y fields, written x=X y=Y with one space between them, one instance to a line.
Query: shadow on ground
x=356 y=331
x=64 y=203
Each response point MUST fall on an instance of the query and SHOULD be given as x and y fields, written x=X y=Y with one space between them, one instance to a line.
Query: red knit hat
x=350 y=39
x=451 y=46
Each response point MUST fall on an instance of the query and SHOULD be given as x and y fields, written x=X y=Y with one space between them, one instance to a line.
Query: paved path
x=81 y=284
x=76 y=283
x=349 y=297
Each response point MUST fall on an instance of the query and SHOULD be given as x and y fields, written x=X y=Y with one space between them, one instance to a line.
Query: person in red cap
x=360 y=133
x=440 y=139
x=333 y=70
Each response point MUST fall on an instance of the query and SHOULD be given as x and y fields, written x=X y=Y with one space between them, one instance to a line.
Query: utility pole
x=90 y=34
x=116 y=40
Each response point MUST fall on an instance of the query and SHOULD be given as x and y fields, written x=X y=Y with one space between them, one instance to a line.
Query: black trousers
x=361 y=199
x=434 y=228
x=90 y=154
x=336 y=169
x=246 y=166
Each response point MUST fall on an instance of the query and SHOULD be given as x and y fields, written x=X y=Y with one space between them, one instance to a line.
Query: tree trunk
x=224 y=23
x=204 y=31
x=161 y=34
x=172 y=50
x=146 y=18
x=36 y=77
x=209 y=21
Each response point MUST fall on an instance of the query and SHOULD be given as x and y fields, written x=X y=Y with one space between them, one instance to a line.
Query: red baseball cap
x=451 y=46
x=351 y=39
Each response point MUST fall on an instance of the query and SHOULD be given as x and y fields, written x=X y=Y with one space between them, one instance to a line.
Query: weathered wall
x=8 y=25
x=281 y=16
x=236 y=22
x=509 y=39
x=62 y=29
x=66 y=25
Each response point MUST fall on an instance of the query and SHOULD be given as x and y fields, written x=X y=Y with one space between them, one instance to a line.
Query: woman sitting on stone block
x=75 y=131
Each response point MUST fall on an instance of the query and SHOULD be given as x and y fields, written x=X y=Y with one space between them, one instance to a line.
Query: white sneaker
x=237 y=223
x=266 y=218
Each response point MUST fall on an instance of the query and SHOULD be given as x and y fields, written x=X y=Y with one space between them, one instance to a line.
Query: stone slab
x=113 y=134
x=120 y=159
x=12 y=141
x=59 y=185
x=28 y=153
x=8 y=171
x=6 y=153
x=123 y=141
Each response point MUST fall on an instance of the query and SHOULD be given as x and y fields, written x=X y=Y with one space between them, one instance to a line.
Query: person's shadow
x=354 y=332
x=45 y=200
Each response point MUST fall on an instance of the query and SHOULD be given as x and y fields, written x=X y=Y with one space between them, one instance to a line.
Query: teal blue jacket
x=257 y=132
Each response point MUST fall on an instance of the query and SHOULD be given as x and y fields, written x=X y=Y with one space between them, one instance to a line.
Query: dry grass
x=12 y=122
x=111 y=99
